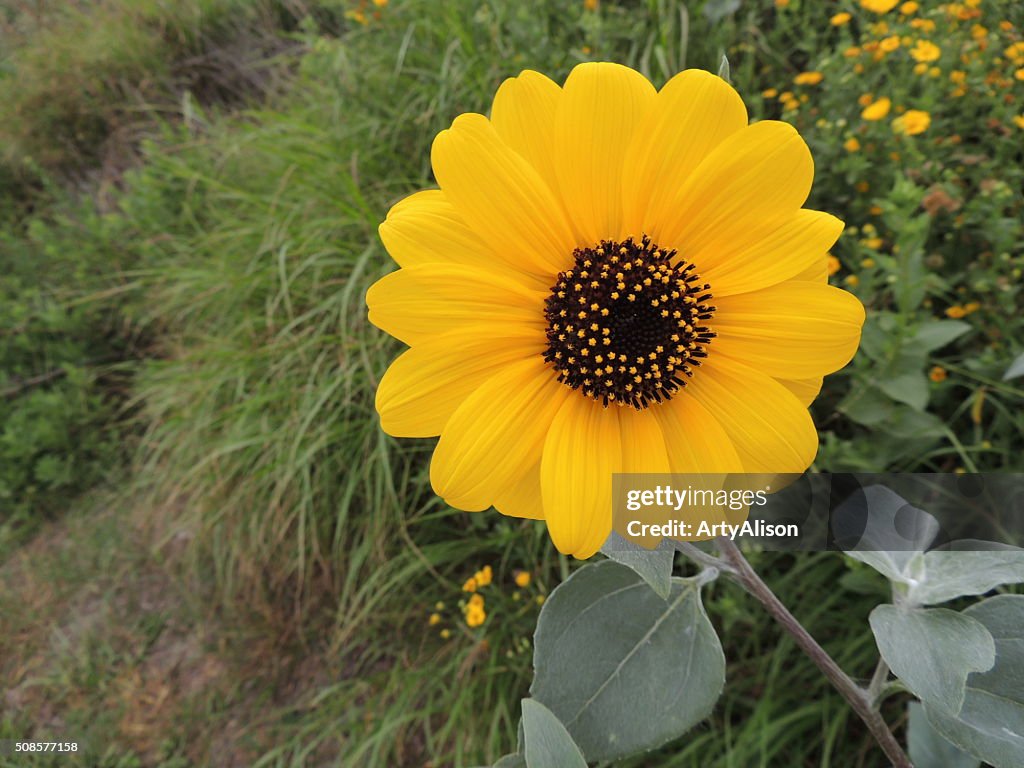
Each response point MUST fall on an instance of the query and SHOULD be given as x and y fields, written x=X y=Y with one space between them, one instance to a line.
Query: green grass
x=303 y=549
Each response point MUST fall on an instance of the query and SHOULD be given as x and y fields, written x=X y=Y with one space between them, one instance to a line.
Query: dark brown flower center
x=627 y=324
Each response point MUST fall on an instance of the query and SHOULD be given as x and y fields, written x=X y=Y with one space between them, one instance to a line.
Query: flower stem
x=854 y=694
x=878 y=684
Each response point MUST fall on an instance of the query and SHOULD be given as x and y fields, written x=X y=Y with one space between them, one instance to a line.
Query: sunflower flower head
x=610 y=279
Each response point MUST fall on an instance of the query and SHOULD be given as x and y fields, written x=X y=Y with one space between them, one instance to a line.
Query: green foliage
x=60 y=383
x=548 y=744
x=926 y=747
x=933 y=650
x=636 y=670
x=991 y=720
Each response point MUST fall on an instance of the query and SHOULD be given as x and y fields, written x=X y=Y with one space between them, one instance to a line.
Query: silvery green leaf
x=933 y=650
x=653 y=565
x=716 y=10
x=927 y=747
x=1016 y=369
x=990 y=725
x=514 y=760
x=548 y=744
x=949 y=574
x=624 y=670
x=723 y=68
x=890 y=547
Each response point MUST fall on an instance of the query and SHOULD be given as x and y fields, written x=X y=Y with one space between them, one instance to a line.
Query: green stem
x=853 y=693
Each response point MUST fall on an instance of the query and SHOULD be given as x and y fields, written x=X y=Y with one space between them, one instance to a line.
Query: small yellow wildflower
x=875 y=210
x=470 y=585
x=539 y=599
x=920 y=69
x=446 y=633
x=979 y=32
x=808 y=78
x=590 y=5
x=833 y=264
x=851 y=144
x=890 y=43
x=770 y=93
x=476 y=601
x=438 y=606
x=867 y=263
x=934 y=72
x=925 y=51
x=956 y=312
x=864 y=99
x=852 y=280
x=781 y=3
x=878 y=6
x=1006 y=25
x=380 y=3
x=357 y=16
x=957 y=76
x=879 y=28
x=840 y=19
x=475 y=616
x=874 y=243
x=972 y=306
x=1018 y=120
x=1019 y=74
x=877 y=110
x=434 y=620
x=522 y=578
x=862 y=186
x=912 y=122
x=937 y=374
x=852 y=52
x=908 y=8
x=1015 y=52
x=483 y=576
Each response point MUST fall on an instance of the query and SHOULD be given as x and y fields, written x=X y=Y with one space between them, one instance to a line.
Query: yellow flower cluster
x=958 y=311
x=479 y=579
x=474 y=611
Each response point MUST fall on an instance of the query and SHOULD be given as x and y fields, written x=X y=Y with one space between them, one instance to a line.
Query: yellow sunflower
x=610 y=279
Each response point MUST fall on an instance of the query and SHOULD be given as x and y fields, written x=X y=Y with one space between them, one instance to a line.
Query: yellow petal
x=424 y=228
x=501 y=197
x=581 y=453
x=523 y=114
x=692 y=114
x=769 y=427
x=756 y=174
x=417 y=303
x=601 y=107
x=522 y=498
x=423 y=387
x=806 y=390
x=696 y=441
x=790 y=330
x=767 y=252
x=643 y=445
x=815 y=272
x=496 y=435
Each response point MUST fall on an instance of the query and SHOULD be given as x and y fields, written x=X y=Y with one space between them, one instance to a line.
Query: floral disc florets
x=627 y=324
